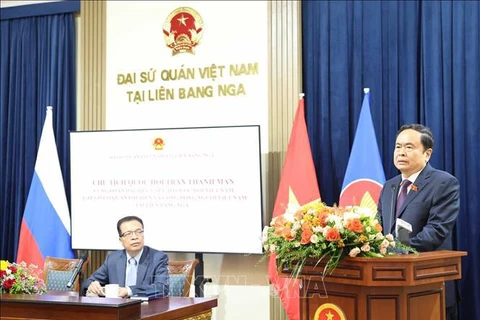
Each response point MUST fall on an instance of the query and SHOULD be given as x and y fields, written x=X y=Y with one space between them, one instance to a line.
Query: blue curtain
x=421 y=60
x=37 y=64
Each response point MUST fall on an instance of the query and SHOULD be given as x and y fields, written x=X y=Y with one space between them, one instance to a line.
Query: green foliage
x=326 y=234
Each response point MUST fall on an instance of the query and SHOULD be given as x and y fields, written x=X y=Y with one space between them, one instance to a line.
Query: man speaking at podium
x=425 y=198
x=138 y=270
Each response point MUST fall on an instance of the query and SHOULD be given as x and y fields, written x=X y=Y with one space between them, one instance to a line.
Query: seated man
x=139 y=269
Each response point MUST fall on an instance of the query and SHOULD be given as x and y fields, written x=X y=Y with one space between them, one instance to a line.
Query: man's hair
x=126 y=219
x=426 y=136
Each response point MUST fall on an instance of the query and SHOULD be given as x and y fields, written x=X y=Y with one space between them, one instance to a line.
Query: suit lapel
x=143 y=265
x=121 y=266
x=420 y=183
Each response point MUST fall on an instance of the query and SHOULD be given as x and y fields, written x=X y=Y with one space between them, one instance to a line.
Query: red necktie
x=403 y=194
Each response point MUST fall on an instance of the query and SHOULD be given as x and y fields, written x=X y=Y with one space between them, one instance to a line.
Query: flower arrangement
x=20 y=278
x=321 y=232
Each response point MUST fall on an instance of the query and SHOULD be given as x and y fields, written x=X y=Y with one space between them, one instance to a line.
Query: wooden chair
x=181 y=274
x=57 y=273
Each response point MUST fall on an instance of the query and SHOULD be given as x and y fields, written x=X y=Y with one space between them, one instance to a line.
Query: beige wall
x=238 y=280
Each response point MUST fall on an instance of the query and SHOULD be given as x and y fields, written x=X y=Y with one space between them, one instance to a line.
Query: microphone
x=77 y=269
x=392 y=207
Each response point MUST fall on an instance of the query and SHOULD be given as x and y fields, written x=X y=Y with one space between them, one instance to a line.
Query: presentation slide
x=196 y=189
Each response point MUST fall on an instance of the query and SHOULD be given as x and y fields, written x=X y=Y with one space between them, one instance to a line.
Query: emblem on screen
x=183 y=30
x=158 y=143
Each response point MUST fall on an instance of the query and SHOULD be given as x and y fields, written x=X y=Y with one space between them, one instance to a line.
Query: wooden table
x=67 y=305
x=178 y=308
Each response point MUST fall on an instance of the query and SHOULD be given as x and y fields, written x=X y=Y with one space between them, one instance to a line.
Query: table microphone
x=77 y=269
x=392 y=209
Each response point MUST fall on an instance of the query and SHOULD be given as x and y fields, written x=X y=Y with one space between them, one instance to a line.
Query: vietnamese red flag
x=298 y=183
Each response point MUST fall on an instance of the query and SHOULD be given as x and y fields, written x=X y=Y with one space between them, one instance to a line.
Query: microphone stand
x=77 y=273
x=200 y=280
x=392 y=208
x=80 y=281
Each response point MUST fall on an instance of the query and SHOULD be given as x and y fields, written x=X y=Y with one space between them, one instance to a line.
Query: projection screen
x=196 y=189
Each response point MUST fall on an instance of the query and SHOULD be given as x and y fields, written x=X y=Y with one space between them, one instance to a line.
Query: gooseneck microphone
x=392 y=207
x=77 y=269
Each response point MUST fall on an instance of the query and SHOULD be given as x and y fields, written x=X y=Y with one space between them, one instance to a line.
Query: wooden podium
x=402 y=287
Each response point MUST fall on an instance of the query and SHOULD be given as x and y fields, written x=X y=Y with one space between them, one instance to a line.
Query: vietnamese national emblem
x=329 y=311
x=158 y=143
x=183 y=30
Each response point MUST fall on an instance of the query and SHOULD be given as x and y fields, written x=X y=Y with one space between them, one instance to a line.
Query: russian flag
x=45 y=229
x=365 y=176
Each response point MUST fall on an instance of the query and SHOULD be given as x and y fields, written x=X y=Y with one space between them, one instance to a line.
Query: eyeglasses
x=128 y=234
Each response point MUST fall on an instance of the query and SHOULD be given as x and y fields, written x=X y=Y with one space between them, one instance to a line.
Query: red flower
x=8 y=283
x=18 y=278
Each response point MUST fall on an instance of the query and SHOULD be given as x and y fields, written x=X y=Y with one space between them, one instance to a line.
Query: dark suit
x=152 y=272
x=431 y=210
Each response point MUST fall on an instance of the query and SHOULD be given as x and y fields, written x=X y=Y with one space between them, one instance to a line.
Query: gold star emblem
x=337 y=313
x=182 y=20
x=292 y=199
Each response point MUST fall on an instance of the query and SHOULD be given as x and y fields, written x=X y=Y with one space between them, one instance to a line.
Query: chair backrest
x=181 y=274
x=57 y=273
